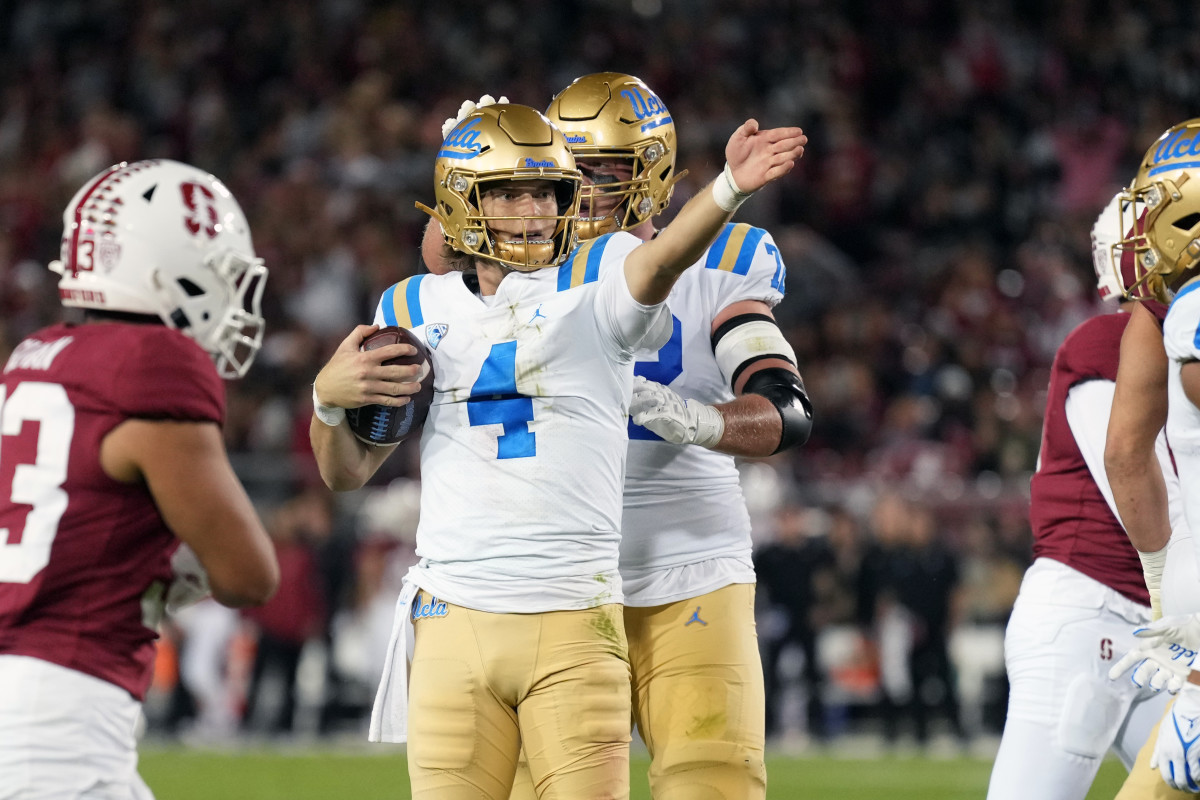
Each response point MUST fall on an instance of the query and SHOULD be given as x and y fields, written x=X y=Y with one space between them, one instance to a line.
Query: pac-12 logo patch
x=435 y=333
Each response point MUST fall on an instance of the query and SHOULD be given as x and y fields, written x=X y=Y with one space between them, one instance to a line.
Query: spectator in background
x=790 y=569
x=294 y=616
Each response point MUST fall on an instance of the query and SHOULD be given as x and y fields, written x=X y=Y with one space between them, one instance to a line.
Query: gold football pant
x=1144 y=783
x=482 y=684
x=698 y=697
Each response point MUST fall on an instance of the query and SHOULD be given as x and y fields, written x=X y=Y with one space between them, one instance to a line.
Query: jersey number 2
x=495 y=400
x=25 y=553
x=667 y=368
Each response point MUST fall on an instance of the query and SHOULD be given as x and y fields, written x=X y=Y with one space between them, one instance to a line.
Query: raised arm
x=754 y=158
x=353 y=378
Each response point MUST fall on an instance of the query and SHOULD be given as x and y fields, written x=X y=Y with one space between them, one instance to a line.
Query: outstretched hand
x=355 y=378
x=757 y=157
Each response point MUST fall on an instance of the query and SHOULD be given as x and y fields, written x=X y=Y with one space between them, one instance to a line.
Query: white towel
x=389 y=715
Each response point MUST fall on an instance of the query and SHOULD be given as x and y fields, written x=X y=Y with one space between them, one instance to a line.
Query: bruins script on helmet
x=386 y=425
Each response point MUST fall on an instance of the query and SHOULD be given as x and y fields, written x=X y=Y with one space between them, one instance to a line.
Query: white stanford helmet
x=166 y=239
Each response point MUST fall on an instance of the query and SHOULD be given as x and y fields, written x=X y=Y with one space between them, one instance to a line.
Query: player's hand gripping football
x=757 y=157
x=1176 y=752
x=661 y=410
x=1163 y=658
x=354 y=378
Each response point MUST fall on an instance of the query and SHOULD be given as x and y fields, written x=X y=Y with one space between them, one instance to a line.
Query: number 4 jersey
x=523 y=453
x=85 y=560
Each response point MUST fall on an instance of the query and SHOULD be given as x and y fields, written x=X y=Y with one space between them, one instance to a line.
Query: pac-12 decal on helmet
x=1161 y=215
x=613 y=117
x=166 y=239
x=504 y=142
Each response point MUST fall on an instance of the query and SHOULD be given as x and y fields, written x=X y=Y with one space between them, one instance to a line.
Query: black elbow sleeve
x=786 y=392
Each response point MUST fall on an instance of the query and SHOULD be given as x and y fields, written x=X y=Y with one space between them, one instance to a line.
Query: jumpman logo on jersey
x=537 y=312
x=695 y=618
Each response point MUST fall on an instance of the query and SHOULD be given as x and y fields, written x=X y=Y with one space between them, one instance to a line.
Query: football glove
x=190 y=585
x=1164 y=657
x=1176 y=753
x=466 y=108
x=663 y=412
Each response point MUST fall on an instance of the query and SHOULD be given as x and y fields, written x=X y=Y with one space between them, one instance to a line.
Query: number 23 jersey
x=523 y=452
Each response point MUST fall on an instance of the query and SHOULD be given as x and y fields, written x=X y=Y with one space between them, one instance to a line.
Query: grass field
x=184 y=774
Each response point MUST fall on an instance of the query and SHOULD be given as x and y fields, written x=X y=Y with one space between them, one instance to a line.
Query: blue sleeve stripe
x=717 y=249
x=387 y=305
x=412 y=297
x=745 y=255
x=594 y=256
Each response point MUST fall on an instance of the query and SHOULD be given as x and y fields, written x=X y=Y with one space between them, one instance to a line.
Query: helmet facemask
x=1162 y=220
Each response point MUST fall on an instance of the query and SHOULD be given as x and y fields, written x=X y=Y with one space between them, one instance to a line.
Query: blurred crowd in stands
x=935 y=235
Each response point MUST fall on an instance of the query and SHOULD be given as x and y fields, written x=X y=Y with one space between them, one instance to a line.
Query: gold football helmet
x=1160 y=215
x=504 y=142
x=607 y=116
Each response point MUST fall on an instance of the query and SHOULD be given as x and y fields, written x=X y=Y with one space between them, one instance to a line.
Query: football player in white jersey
x=725 y=381
x=516 y=600
x=1162 y=225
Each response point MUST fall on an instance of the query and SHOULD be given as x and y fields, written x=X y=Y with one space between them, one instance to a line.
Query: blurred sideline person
x=1156 y=386
x=112 y=456
x=516 y=599
x=1085 y=592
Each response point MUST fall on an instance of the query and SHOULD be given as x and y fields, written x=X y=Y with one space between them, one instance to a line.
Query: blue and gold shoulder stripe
x=733 y=250
x=583 y=265
x=401 y=303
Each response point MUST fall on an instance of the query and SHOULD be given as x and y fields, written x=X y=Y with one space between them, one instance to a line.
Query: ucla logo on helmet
x=539 y=162
x=463 y=141
x=1173 y=149
x=647 y=107
x=577 y=137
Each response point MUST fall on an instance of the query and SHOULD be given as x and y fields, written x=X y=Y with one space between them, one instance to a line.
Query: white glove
x=466 y=108
x=191 y=581
x=1164 y=658
x=1176 y=755
x=679 y=421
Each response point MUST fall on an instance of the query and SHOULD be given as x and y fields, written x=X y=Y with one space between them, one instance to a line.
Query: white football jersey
x=1180 y=332
x=684 y=504
x=523 y=453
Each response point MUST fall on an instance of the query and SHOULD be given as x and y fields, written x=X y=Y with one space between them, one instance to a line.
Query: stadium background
x=935 y=234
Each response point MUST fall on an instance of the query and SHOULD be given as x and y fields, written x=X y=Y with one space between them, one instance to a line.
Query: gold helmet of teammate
x=609 y=117
x=1161 y=211
x=504 y=142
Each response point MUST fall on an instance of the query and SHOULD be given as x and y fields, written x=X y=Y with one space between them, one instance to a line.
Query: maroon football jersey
x=85 y=560
x=1071 y=521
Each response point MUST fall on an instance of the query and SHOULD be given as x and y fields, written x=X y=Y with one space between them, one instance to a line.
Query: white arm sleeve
x=1089 y=406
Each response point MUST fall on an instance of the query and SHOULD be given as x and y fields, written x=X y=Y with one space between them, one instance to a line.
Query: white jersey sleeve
x=632 y=325
x=1181 y=338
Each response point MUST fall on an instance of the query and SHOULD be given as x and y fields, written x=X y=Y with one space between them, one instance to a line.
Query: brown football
x=383 y=425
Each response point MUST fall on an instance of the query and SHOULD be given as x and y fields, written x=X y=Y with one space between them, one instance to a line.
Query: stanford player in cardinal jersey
x=1085 y=592
x=113 y=472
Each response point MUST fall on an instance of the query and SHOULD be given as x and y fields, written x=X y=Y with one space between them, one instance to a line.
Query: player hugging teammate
x=534 y=341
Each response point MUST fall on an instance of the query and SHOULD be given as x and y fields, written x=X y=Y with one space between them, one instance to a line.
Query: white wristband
x=726 y=192
x=330 y=415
